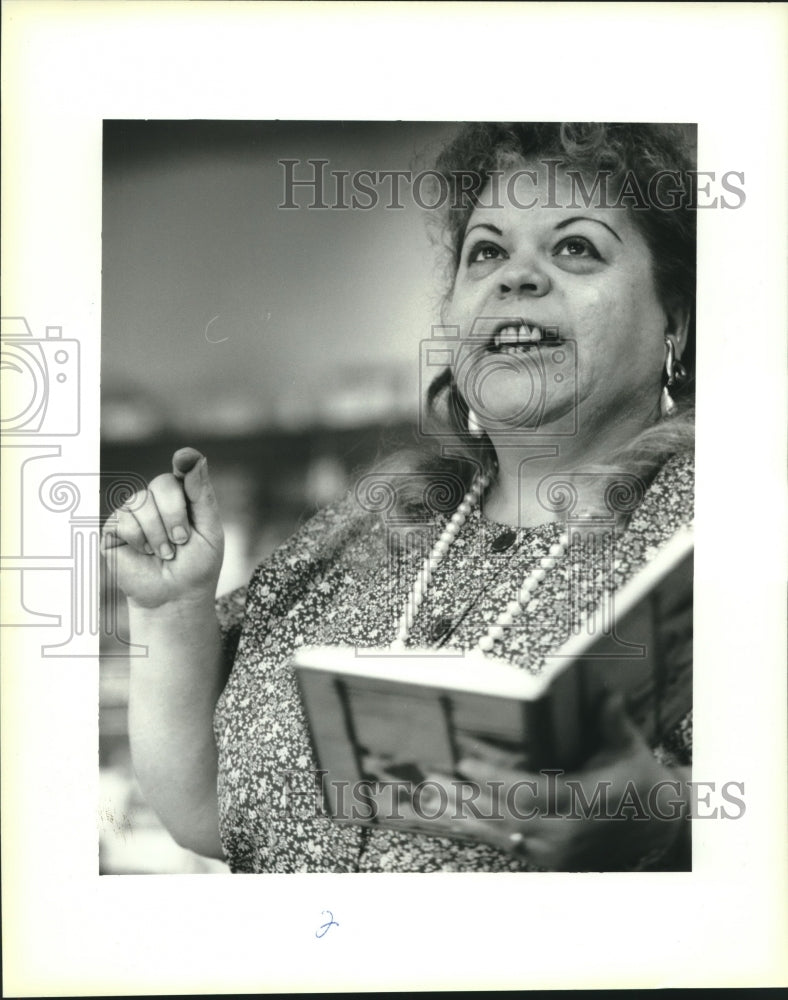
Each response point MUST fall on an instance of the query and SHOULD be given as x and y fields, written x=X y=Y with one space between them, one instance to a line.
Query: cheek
x=628 y=318
x=456 y=310
x=448 y=311
x=465 y=301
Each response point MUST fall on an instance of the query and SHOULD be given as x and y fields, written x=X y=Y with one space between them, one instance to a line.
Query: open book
x=378 y=716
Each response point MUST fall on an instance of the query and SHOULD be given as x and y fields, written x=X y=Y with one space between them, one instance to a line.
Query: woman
x=570 y=305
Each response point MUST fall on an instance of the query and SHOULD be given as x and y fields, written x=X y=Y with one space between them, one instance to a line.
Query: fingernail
x=179 y=535
x=166 y=551
x=148 y=549
x=204 y=469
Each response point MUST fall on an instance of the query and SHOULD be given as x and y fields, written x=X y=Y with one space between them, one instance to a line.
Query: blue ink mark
x=323 y=929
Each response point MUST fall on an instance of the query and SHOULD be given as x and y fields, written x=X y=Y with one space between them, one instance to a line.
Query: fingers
x=503 y=817
x=154 y=521
x=191 y=469
x=109 y=533
x=166 y=493
x=489 y=770
x=122 y=529
x=142 y=526
x=157 y=520
x=507 y=756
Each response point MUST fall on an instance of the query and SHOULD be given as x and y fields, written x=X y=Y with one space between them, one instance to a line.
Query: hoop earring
x=675 y=372
x=475 y=429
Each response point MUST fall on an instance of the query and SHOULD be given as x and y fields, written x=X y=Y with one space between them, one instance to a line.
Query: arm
x=172 y=697
x=169 y=577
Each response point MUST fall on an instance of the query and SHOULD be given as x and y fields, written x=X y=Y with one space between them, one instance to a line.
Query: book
x=384 y=723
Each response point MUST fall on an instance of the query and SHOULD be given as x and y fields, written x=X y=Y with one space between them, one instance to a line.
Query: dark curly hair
x=634 y=160
x=625 y=154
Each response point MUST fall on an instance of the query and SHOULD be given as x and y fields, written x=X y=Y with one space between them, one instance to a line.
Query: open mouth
x=518 y=338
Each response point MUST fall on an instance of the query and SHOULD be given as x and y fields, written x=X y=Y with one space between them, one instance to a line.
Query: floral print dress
x=339 y=581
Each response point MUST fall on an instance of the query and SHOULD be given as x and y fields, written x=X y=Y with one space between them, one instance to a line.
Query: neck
x=515 y=497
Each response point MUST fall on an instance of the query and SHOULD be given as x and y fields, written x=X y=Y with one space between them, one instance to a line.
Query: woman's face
x=560 y=324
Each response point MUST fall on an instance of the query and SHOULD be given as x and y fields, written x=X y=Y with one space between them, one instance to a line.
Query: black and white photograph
x=537 y=474
x=381 y=503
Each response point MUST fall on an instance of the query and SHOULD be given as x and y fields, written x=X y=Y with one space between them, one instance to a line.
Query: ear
x=677 y=321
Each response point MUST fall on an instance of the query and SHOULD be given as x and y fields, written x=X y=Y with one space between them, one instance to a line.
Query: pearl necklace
x=514 y=608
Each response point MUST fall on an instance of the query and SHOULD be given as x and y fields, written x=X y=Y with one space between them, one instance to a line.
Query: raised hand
x=166 y=543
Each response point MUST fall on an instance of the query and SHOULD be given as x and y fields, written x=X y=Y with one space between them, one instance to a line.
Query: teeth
x=507 y=335
x=520 y=334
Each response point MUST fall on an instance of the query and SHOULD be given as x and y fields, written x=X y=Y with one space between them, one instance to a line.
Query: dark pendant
x=504 y=541
x=440 y=628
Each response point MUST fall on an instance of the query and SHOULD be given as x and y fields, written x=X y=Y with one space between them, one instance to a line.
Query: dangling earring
x=475 y=429
x=675 y=372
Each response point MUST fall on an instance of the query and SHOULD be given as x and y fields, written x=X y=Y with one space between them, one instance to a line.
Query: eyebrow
x=588 y=218
x=484 y=225
x=560 y=225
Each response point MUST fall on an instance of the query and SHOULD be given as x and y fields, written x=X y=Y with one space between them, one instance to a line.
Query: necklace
x=514 y=608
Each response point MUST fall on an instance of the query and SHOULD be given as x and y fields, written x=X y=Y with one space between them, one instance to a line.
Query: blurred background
x=282 y=343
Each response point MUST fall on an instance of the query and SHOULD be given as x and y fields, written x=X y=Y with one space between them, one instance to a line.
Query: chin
x=507 y=408
x=522 y=391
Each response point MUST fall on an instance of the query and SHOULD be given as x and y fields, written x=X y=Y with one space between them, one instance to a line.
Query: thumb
x=184 y=460
x=191 y=467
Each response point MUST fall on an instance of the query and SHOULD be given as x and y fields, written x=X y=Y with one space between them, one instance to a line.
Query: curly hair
x=629 y=156
x=632 y=158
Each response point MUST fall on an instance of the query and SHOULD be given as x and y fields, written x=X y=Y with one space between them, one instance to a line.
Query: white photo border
x=69 y=66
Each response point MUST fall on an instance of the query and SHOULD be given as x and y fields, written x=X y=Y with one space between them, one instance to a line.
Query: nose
x=522 y=276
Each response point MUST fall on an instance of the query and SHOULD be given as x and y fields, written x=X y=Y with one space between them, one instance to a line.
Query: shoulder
x=276 y=583
x=318 y=541
x=676 y=478
x=668 y=501
x=323 y=535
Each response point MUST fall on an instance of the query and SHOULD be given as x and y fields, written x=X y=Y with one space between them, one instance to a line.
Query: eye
x=577 y=246
x=481 y=252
